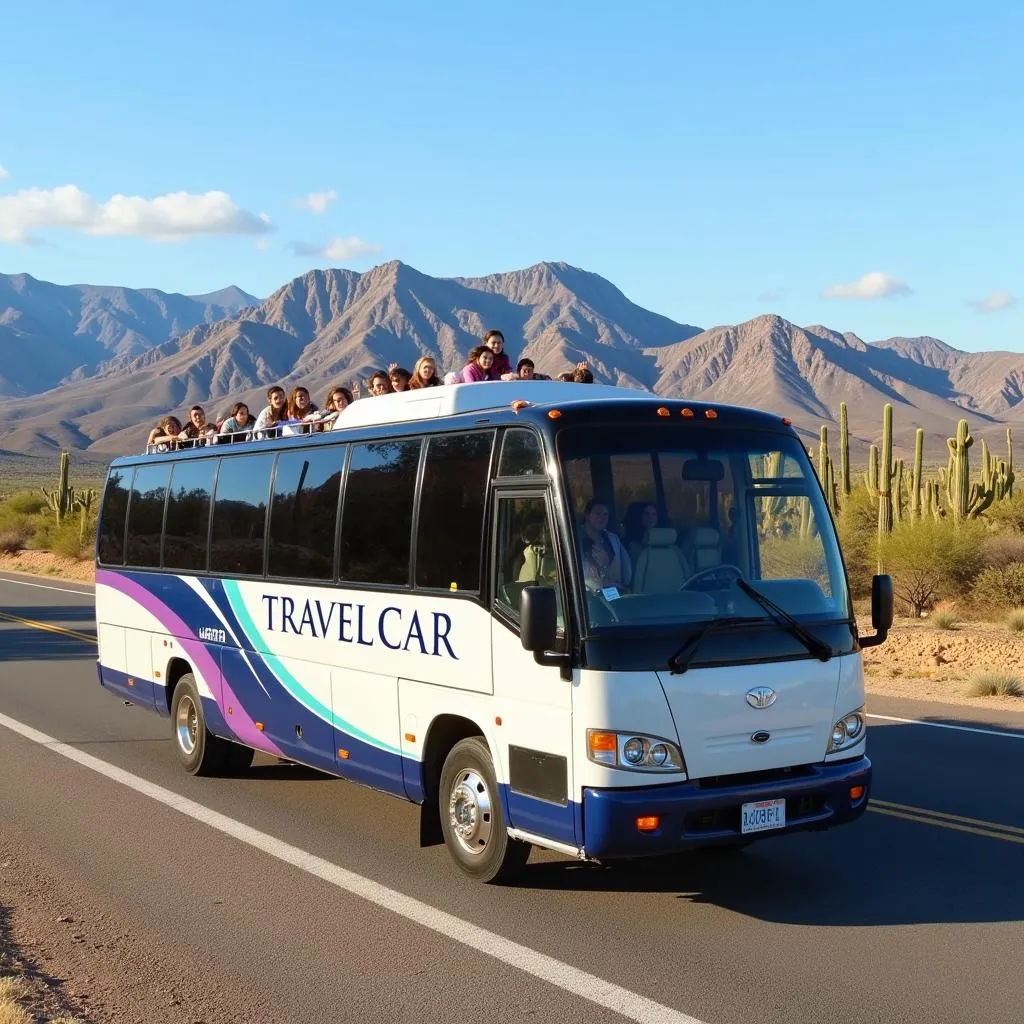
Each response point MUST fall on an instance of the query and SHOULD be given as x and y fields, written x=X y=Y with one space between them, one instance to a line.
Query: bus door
x=533 y=701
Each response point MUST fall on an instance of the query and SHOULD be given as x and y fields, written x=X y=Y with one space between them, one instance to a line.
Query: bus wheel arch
x=444 y=732
x=176 y=668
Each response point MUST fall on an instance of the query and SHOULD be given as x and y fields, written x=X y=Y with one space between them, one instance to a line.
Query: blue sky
x=714 y=164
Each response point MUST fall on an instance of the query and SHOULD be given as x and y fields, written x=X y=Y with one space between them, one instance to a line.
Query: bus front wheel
x=198 y=750
x=472 y=818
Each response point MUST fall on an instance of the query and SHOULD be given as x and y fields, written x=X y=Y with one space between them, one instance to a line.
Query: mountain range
x=123 y=358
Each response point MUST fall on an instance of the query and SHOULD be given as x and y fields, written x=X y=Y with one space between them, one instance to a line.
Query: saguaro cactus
x=825 y=471
x=886 y=476
x=83 y=501
x=932 y=503
x=915 y=482
x=844 y=452
x=1008 y=482
x=60 y=498
x=966 y=501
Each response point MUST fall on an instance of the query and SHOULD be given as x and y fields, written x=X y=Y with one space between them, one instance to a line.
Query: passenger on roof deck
x=198 y=431
x=399 y=377
x=338 y=398
x=380 y=385
x=525 y=371
x=276 y=412
x=238 y=426
x=301 y=409
x=501 y=368
x=424 y=374
x=481 y=359
x=165 y=434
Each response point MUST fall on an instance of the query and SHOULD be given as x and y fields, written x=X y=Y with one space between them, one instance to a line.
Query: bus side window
x=525 y=552
x=115 y=512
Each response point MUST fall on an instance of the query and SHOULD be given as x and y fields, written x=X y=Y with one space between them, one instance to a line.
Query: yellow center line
x=973 y=826
x=62 y=630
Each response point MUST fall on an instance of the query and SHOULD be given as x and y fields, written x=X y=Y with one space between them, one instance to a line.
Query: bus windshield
x=667 y=519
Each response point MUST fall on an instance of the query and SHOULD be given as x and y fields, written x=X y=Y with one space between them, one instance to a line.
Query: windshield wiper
x=815 y=645
x=679 y=662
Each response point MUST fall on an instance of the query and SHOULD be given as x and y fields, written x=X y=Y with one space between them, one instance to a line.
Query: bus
x=582 y=618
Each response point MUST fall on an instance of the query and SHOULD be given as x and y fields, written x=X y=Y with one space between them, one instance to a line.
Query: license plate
x=763 y=815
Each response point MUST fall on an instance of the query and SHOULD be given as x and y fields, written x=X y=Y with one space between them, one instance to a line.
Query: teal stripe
x=287 y=680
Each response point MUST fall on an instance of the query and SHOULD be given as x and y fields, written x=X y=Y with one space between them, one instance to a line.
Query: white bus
x=578 y=617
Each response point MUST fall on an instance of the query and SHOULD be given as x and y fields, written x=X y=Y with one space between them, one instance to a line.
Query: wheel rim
x=469 y=812
x=186 y=726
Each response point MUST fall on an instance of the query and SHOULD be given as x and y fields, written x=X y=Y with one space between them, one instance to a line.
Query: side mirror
x=538 y=627
x=881 y=610
x=538 y=619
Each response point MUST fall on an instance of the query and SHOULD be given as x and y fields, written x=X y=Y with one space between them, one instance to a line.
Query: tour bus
x=582 y=618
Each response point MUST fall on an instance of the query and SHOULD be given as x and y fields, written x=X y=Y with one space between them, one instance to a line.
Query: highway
x=287 y=896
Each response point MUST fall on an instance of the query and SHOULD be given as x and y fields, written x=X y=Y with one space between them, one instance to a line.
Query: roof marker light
x=662 y=411
x=688 y=413
x=519 y=403
x=554 y=414
x=710 y=414
x=786 y=421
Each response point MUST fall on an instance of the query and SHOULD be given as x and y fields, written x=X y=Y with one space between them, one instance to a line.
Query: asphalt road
x=913 y=914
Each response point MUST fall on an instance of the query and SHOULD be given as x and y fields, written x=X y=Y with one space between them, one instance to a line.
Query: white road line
x=628 y=1004
x=46 y=586
x=1005 y=733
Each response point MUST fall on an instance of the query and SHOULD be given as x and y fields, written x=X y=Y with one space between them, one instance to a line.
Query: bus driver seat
x=661 y=567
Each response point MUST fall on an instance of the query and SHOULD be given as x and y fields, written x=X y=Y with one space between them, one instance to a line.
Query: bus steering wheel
x=722 y=576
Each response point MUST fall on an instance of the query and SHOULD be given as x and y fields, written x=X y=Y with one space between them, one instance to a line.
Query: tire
x=472 y=818
x=198 y=750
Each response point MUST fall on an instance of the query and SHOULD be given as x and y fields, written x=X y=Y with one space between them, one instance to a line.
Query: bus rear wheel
x=472 y=818
x=198 y=750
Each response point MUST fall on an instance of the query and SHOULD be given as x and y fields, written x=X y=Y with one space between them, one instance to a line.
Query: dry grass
x=12 y=1013
x=1015 y=621
x=995 y=683
x=944 y=619
x=12 y=988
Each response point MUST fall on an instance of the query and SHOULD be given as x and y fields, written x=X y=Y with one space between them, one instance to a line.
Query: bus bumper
x=695 y=814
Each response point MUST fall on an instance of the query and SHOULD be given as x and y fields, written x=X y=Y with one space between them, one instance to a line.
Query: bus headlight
x=632 y=751
x=847 y=731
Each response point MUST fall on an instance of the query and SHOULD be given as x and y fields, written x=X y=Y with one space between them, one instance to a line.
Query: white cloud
x=873 y=285
x=262 y=244
x=336 y=250
x=4 y=173
x=168 y=218
x=995 y=302
x=772 y=295
x=316 y=202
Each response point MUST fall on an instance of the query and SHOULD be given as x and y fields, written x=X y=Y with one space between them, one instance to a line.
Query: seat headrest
x=659 y=537
x=705 y=537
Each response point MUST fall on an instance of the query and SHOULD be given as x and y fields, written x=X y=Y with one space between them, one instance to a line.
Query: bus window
x=451 y=519
x=376 y=524
x=521 y=454
x=115 y=513
x=239 y=511
x=146 y=516
x=188 y=514
x=304 y=513
x=525 y=552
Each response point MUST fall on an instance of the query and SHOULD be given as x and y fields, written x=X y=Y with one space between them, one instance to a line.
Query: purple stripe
x=239 y=721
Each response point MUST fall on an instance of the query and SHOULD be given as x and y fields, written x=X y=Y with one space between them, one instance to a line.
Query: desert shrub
x=857 y=525
x=1003 y=548
x=1015 y=620
x=63 y=539
x=1007 y=515
x=794 y=557
x=28 y=503
x=930 y=560
x=995 y=683
x=1000 y=587
x=944 y=619
x=11 y=542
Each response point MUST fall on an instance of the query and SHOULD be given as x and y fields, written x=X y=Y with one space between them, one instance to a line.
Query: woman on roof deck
x=238 y=426
x=268 y=423
x=380 y=384
x=501 y=368
x=338 y=399
x=481 y=359
x=165 y=434
x=301 y=410
x=424 y=373
x=399 y=377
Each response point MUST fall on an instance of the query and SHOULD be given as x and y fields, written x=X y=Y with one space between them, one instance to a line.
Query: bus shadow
x=28 y=644
x=62 y=614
